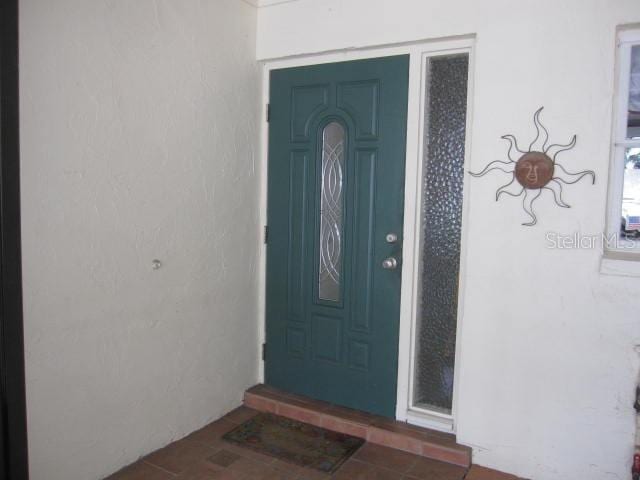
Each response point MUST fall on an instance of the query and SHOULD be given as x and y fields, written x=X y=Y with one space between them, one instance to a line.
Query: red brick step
x=374 y=429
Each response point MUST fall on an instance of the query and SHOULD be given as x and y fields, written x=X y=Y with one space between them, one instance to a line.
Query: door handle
x=390 y=263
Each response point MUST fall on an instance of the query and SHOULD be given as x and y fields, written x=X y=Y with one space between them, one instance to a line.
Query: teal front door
x=337 y=136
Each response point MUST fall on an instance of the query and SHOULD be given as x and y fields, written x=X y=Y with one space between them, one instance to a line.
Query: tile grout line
x=158 y=467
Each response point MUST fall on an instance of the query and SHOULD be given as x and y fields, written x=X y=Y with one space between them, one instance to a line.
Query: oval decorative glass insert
x=331 y=208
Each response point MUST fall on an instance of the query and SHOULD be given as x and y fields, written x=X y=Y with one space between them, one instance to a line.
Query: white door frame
x=419 y=53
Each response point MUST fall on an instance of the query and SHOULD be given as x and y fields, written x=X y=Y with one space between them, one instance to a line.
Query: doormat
x=295 y=442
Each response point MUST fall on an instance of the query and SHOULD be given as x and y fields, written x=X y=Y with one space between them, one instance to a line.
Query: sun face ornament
x=535 y=170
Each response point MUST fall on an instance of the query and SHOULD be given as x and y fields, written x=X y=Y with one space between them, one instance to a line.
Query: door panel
x=337 y=138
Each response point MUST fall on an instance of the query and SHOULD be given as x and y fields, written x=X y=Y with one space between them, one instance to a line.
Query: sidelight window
x=443 y=178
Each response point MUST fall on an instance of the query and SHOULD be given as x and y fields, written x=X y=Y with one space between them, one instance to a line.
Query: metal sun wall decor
x=535 y=170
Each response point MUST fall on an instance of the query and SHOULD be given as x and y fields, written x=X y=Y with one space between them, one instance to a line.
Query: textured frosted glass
x=441 y=219
x=331 y=212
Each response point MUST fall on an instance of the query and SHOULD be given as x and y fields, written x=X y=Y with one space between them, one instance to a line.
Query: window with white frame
x=624 y=208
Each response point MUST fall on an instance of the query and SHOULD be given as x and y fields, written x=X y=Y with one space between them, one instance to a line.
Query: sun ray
x=504 y=189
x=542 y=135
x=556 y=188
x=487 y=169
x=513 y=145
x=535 y=170
x=575 y=177
x=552 y=153
x=527 y=205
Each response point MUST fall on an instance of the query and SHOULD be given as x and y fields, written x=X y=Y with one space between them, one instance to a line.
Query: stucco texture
x=139 y=138
x=547 y=368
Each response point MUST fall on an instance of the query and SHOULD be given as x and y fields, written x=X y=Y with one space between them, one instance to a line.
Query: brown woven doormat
x=295 y=442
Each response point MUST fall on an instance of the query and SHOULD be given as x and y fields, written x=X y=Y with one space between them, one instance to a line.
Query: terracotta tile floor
x=203 y=455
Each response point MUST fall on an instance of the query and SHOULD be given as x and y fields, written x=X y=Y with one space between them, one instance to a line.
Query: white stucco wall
x=139 y=138
x=548 y=364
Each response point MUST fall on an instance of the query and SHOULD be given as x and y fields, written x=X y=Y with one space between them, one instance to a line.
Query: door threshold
x=373 y=428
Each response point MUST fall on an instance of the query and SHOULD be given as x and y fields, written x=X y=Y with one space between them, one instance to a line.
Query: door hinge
x=266 y=234
x=268 y=112
x=264 y=352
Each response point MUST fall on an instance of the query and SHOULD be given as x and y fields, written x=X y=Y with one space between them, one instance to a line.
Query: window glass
x=445 y=112
x=627 y=151
x=633 y=123
x=331 y=207
x=630 y=222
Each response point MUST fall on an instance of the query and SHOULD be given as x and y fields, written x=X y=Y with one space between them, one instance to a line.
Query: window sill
x=622 y=264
